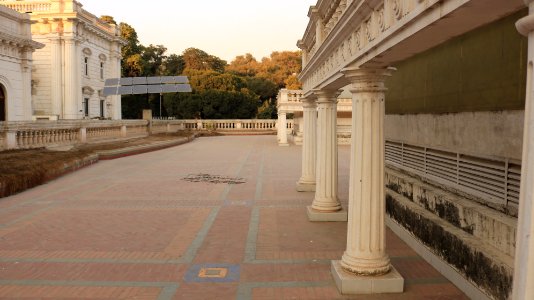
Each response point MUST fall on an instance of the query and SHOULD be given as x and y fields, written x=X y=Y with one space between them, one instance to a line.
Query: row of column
x=365 y=253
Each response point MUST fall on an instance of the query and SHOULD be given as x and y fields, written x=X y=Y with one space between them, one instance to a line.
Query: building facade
x=16 y=49
x=441 y=137
x=80 y=52
x=290 y=102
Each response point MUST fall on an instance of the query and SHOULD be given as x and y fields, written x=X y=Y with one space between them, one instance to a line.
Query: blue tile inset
x=232 y=273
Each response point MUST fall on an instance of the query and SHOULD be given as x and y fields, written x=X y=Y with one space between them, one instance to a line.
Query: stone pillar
x=282 y=123
x=11 y=139
x=326 y=206
x=124 y=131
x=524 y=255
x=70 y=99
x=365 y=266
x=306 y=182
x=83 y=135
x=115 y=61
x=26 y=71
x=56 y=77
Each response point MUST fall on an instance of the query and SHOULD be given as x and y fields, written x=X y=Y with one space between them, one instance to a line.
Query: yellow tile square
x=212 y=272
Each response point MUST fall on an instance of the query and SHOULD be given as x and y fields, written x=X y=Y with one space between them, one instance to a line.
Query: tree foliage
x=244 y=65
x=197 y=59
x=245 y=88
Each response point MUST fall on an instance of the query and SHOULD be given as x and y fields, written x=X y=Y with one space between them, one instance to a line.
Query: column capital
x=367 y=80
x=309 y=101
x=525 y=25
x=326 y=95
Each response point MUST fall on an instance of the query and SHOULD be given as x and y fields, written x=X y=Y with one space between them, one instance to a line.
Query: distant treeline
x=245 y=88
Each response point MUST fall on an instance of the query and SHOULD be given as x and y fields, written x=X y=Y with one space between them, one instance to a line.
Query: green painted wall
x=483 y=70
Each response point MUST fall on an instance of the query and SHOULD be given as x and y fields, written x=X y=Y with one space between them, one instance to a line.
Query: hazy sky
x=225 y=28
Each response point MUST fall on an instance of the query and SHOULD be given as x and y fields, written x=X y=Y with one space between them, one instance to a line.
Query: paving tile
x=226 y=240
x=286 y=233
x=73 y=292
x=131 y=228
x=206 y=291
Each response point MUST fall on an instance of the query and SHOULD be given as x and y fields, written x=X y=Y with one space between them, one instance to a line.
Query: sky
x=224 y=28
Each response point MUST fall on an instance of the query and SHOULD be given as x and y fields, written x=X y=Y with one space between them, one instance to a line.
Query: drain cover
x=213 y=179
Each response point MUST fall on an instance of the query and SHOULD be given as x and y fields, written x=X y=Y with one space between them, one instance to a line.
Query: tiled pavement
x=131 y=228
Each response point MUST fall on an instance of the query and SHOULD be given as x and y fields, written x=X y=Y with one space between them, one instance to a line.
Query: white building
x=290 y=102
x=16 y=47
x=80 y=52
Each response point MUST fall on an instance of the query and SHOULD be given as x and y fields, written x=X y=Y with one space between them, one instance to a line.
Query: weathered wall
x=483 y=70
x=492 y=134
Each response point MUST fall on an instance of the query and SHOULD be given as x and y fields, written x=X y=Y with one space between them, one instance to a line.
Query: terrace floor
x=133 y=228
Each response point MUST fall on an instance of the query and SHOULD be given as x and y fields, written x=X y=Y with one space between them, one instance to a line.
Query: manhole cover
x=213 y=179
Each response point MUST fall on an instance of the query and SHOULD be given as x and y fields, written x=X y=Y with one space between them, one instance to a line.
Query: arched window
x=2 y=104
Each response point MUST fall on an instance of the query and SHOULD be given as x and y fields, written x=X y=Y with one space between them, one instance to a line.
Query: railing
x=230 y=125
x=495 y=181
x=27 y=7
x=26 y=135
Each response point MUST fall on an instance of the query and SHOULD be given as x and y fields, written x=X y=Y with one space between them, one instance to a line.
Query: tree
x=197 y=59
x=153 y=58
x=210 y=80
x=281 y=65
x=108 y=19
x=132 y=64
x=173 y=65
x=264 y=88
x=244 y=65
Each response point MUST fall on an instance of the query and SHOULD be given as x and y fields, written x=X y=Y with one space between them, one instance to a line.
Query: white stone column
x=116 y=106
x=365 y=256
x=282 y=122
x=326 y=205
x=306 y=182
x=524 y=256
x=26 y=72
x=72 y=88
x=56 y=77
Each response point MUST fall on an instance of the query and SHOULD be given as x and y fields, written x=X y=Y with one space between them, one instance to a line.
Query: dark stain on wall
x=476 y=266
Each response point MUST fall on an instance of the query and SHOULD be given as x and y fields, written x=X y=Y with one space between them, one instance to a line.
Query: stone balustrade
x=27 y=135
x=27 y=7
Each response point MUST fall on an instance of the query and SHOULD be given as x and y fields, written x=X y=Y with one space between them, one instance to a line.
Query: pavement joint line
x=434 y=280
x=201 y=235
x=153 y=261
x=290 y=261
x=224 y=194
x=259 y=178
x=34 y=282
x=250 y=248
x=92 y=260
x=244 y=290
x=168 y=292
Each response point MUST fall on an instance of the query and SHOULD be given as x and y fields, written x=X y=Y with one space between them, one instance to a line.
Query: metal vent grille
x=496 y=181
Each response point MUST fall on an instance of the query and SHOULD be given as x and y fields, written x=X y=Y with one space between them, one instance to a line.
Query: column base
x=305 y=186
x=317 y=216
x=347 y=283
x=283 y=144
